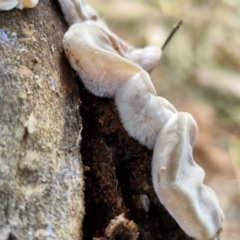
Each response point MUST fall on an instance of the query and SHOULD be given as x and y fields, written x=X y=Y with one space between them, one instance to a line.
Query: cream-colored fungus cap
x=178 y=180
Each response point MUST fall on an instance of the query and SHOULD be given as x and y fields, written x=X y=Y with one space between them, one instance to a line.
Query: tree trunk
x=41 y=177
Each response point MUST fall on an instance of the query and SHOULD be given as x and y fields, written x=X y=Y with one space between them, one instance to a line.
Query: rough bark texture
x=41 y=177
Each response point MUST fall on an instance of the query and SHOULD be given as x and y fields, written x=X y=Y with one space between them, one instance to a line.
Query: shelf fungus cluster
x=109 y=67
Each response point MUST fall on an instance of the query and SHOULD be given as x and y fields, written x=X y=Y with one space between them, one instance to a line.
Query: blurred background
x=199 y=72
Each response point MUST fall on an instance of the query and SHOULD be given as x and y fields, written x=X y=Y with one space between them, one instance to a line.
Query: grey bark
x=41 y=177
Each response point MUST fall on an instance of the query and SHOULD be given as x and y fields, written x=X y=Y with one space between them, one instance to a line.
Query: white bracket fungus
x=20 y=4
x=178 y=180
x=109 y=67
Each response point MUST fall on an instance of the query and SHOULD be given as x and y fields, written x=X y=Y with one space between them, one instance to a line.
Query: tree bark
x=41 y=177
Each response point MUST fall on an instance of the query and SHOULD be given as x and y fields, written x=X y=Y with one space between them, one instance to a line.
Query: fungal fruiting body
x=87 y=46
x=121 y=228
x=109 y=67
x=20 y=4
x=77 y=11
x=178 y=180
x=27 y=4
x=142 y=113
x=8 y=4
